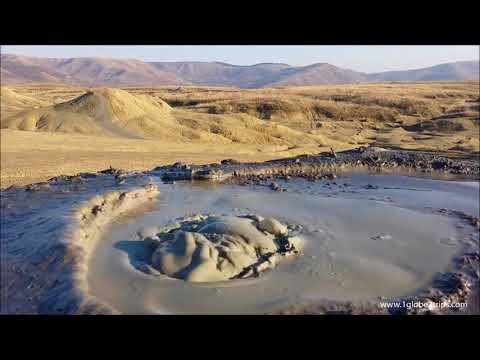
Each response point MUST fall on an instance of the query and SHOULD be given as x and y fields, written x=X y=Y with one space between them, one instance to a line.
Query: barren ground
x=247 y=125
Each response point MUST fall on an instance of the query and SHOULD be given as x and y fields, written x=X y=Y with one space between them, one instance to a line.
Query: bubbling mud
x=206 y=248
x=357 y=247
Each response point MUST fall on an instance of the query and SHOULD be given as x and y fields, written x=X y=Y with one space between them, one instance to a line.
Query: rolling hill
x=462 y=70
x=95 y=72
x=120 y=114
x=83 y=71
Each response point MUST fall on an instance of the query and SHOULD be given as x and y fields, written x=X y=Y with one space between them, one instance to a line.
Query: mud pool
x=365 y=238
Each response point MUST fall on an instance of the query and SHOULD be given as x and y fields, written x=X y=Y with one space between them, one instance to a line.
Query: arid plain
x=50 y=130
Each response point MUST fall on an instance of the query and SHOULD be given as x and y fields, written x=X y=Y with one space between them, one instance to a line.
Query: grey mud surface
x=63 y=240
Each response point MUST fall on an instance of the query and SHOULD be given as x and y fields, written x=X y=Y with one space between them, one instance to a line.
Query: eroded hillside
x=52 y=130
x=435 y=116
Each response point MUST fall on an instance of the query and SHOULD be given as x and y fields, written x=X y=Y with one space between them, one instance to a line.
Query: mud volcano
x=217 y=248
x=301 y=235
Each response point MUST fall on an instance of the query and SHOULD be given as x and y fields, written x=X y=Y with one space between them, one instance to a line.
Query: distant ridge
x=17 y=69
x=461 y=70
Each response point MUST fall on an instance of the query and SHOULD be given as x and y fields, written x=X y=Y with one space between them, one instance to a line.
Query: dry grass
x=28 y=157
x=304 y=107
x=208 y=124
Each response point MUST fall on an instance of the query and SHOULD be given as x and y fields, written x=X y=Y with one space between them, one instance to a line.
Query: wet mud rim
x=63 y=255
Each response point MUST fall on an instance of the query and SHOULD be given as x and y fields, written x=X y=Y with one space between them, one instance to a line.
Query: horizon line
x=229 y=64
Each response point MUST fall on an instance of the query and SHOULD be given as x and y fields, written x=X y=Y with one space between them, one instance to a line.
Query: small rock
x=274 y=186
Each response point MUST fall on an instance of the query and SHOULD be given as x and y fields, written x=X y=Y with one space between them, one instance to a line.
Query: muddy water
x=374 y=237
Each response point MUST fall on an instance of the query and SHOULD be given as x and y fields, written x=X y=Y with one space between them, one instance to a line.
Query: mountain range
x=94 y=72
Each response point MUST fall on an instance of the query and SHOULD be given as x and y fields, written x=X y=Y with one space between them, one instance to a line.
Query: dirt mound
x=118 y=104
x=99 y=112
x=13 y=102
x=114 y=112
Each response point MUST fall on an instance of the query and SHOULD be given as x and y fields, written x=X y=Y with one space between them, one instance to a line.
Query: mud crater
x=213 y=248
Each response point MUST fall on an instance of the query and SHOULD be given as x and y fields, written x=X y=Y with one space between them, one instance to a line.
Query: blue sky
x=359 y=58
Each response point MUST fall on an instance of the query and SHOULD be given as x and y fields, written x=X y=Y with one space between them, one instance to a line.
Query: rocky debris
x=41 y=186
x=209 y=174
x=63 y=179
x=375 y=149
x=88 y=175
x=260 y=179
x=311 y=168
x=333 y=308
x=449 y=289
x=181 y=165
x=177 y=173
x=372 y=159
x=275 y=187
x=213 y=165
x=472 y=220
x=472 y=258
x=230 y=162
x=186 y=172
x=439 y=164
x=113 y=171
